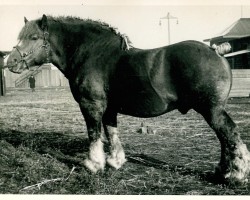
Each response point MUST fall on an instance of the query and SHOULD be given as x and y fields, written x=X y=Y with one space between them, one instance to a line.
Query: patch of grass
x=21 y=167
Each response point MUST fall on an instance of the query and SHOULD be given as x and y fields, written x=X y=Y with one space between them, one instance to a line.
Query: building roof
x=239 y=29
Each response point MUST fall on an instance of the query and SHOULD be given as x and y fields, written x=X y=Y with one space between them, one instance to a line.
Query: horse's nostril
x=15 y=60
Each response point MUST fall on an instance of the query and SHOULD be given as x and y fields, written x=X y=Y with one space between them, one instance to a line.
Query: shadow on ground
x=72 y=150
x=206 y=176
x=68 y=149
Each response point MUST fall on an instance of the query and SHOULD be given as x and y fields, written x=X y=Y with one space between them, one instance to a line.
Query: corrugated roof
x=239 y=29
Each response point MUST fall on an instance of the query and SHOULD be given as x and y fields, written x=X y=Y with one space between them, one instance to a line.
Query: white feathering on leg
x=117 y=155
x=96 y=160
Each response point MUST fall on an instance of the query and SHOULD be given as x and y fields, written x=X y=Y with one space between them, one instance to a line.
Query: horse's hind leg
x=234 y=165
x=117 y=156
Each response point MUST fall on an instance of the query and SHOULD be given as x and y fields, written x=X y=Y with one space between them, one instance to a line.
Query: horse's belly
x=142 y=105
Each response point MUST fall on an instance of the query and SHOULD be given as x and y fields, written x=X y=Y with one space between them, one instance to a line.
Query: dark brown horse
x=107 y=76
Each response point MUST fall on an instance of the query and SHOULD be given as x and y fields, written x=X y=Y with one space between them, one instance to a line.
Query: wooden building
x=46 y=76
x=238 y=35
x=2 y=77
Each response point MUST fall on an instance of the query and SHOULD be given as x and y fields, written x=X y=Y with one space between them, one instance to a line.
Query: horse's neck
x=58 y=58
x=65 y=47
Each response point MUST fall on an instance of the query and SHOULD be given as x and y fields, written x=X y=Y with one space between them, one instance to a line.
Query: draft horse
x=107 y=77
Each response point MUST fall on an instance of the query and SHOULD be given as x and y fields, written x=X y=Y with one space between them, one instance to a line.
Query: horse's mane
x=29 y=28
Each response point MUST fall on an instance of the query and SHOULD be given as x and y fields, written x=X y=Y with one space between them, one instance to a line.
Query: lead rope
x=46 y=45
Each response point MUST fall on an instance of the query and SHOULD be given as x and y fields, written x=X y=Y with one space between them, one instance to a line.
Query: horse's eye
x=34 y=37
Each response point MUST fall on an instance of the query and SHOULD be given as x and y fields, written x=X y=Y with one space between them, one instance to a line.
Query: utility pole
x=168 y=17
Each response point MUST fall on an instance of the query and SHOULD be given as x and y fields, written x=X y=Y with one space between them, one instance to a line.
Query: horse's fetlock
x=236 y=166
x=116 y=162
x=92 y=166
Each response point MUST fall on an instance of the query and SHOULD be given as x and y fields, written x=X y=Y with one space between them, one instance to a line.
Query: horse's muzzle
x=14 y=67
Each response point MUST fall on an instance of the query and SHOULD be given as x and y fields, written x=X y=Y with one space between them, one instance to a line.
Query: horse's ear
x=44 y=23
x=25 y=20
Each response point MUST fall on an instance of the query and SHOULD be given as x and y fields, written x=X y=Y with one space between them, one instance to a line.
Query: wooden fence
x=241 y=83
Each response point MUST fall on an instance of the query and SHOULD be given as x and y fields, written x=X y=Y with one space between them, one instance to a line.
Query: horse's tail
x=222 y=49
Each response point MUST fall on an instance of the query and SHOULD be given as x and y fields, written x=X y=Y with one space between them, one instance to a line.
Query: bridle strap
x=22 y=56
x=45 y=45
x=45 y=35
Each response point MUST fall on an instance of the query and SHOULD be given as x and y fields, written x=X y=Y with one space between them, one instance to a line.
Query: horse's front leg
x=116 y=158
x=93 y=112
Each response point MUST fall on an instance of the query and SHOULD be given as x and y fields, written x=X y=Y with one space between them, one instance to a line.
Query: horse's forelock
x=30 y=28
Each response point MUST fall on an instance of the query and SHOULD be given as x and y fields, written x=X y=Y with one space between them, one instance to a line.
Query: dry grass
x=43 y=136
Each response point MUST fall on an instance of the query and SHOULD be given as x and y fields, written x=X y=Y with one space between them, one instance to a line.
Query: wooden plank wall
x=46 y=78
x=241 y=83
x=10 y=78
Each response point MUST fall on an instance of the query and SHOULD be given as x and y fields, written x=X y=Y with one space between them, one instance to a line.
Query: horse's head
x=33 y=48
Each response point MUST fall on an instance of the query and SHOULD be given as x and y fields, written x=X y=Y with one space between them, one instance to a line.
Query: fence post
x=2 y=78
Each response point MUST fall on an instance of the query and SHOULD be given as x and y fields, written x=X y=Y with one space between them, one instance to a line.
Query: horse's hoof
x=233 y=177
x=239 y=167
x=228 y=178
x=116 y=162
x=92 y=166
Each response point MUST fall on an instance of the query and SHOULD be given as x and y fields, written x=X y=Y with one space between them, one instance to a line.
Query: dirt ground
x=44 y=141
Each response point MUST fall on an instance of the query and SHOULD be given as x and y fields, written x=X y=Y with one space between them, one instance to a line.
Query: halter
x=45 y=45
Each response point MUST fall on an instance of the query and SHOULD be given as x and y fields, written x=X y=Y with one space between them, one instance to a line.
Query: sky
x=139 y=19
